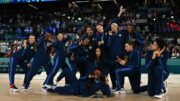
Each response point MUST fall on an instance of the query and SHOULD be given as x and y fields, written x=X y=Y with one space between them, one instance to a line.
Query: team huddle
x=95 y=55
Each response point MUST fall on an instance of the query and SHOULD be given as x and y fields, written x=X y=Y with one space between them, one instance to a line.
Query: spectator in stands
x=175 y=53
x=178 y=41
x=3 y=49
x=149 y=38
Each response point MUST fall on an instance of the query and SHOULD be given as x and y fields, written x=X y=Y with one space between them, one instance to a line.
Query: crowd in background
x=17 y=25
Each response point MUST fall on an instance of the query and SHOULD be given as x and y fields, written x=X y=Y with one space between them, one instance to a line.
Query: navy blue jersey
x=159 y=61
x=139 y=41
x=43 y=49
x=133 y=59
x=59 y=48
x=25 y=54
x=116 y=43
x=29 y=52
x=83 y=53
x=19 y=53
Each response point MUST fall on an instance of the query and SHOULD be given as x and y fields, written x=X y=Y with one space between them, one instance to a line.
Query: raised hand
x=121 y=11
x=155 y=54
x=121 y=61
x=159 y=54
x=118 y=58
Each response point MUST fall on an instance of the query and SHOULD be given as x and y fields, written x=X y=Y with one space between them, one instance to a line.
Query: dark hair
x=31 y=35
x=130 y=43
x=35 y=44
x=160 y=42
x=89 y=27
x=102 y=53
x=91 y=81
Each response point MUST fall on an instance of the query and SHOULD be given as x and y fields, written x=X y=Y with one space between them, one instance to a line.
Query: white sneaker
x=25 y=90
x=53 y=86
x=49 y=86
x=160 y=96
x=122 y=91
x=14 y=89
x=113 y=90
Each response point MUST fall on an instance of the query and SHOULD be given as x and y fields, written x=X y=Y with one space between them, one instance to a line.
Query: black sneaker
x=26 y=88
x=29 y=87
x=14 y=88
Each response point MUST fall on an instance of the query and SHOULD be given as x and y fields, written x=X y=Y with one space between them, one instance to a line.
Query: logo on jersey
x=90 y=47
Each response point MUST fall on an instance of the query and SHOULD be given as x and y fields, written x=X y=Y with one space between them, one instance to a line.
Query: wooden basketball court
x=37 y=94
